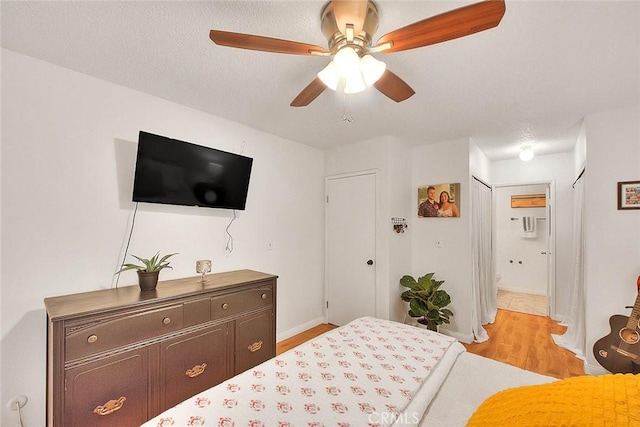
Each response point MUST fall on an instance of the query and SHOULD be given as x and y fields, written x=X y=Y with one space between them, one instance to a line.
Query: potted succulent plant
x=149 y=271
x=426 y=300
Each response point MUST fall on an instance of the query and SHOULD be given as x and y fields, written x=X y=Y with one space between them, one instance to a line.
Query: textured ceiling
x=546 y=66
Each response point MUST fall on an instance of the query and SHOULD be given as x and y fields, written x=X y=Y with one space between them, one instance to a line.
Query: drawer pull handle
x=196 y=370
x=255 y=346
x=263 y=296
x=110 y=407
x=166 y=320
x=92 y=338
x=225 y=306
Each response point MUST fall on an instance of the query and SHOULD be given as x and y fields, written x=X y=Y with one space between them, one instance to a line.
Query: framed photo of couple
x=439 y=201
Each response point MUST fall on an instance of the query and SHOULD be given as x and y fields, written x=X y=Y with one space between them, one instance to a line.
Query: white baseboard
x=300 y=328
x=521 y=290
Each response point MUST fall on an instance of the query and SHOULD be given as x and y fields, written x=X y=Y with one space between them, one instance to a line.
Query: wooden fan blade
x=394 y=87
x=265 y=44
x=350 y=12
x=447 y=26
x=309 y=93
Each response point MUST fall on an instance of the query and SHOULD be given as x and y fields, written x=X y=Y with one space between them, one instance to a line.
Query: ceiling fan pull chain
x=346 y=117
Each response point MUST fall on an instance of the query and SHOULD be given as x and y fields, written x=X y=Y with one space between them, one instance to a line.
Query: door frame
x=373 y=172
x=550 y=211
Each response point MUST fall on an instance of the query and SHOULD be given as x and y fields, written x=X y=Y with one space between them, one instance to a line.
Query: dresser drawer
x=113 y=391
x=254 y=341
x=193 y=362
x=110 y=334
x=241 y=301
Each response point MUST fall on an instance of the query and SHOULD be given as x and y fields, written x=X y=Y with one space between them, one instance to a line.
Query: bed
x=374 y=372
x=369 y=372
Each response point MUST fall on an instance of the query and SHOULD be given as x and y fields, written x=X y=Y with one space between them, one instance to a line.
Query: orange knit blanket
x=607 y=400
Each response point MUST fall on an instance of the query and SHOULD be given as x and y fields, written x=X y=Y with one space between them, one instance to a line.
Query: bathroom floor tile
x=523 y=303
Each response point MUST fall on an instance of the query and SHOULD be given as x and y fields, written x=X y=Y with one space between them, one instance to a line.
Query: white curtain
x=574 y=337
x=483 y=287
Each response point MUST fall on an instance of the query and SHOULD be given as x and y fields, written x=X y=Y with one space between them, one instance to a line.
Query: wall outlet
x=270 y=246
x=438 y=243
x=17 y=402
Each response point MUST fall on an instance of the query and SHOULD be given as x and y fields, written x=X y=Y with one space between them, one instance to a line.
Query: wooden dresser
x=118 y=357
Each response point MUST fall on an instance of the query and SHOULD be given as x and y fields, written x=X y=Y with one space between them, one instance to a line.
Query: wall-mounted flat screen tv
x=175 y=172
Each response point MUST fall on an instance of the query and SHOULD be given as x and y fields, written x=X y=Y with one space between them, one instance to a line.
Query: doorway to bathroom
x=524 y=247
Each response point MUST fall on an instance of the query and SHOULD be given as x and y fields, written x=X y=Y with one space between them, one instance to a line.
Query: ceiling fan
x=349 y=27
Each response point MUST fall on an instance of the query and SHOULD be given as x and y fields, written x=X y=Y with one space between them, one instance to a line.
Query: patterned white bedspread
x=362 y=374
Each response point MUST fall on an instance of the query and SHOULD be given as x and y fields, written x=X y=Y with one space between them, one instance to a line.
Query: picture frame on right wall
x=628 y=195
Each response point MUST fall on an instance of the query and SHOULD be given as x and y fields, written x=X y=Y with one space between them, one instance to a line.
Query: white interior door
x=350 y=247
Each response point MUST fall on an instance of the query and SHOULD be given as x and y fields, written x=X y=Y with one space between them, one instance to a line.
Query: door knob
x=370 y=262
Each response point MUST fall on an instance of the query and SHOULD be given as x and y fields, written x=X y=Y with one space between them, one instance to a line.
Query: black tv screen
x=175 y=172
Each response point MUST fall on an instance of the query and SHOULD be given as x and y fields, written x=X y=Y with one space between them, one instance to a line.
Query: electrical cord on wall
x=229 y=247
x=20 y=422
x=126 y=249
x=17 y=404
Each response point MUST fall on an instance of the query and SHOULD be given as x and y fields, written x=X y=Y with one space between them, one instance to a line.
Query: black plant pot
x=148 y=280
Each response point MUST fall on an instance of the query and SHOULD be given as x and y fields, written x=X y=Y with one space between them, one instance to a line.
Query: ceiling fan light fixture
x=347 y=62
x=329 y=76
x=354 y=84
x=356 y=73
x=371 y=69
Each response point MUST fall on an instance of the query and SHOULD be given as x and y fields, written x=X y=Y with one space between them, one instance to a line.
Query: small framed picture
x=629 y=195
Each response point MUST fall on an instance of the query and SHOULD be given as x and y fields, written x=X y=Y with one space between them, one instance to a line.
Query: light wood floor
x=519 y=339
x=524 y=340
x=296 y=340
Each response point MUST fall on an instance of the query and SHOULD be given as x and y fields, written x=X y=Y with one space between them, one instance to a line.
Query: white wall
x=558 y=168
x=612 y=253
x=68 y=153
x=479 y=163
x=1 y=287
x=445 y=162
x=580 y=151
x=388 y=157
x=519 y=263
x=400 y=198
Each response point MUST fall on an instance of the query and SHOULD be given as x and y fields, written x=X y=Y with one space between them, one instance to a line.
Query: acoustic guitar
x=619 y=352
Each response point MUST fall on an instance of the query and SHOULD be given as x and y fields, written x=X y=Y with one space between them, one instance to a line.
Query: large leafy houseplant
x=426 y=301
